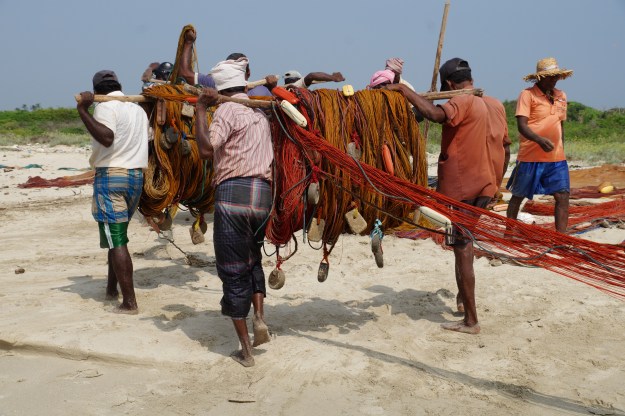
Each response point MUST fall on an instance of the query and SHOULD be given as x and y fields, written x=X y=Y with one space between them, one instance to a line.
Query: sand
x=365 y=342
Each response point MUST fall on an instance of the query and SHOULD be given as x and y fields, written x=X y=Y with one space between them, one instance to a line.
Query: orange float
x=388 y=159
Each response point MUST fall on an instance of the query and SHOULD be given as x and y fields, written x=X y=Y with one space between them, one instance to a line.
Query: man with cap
x=293 y=78
x=119 y=133
x=239 y=143
x=465 y=169
x=541 y=166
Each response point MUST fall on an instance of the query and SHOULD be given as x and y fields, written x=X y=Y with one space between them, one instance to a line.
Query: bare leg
x=111 y=286
x=261 y=330
x=459 y=296
x=120 y=259
x=513 y=211
x=244 y=355
x=466 y=287
x=513 y=206
x=562 y=211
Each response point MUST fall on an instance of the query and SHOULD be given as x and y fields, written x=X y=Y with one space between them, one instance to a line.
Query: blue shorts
x=539 y=178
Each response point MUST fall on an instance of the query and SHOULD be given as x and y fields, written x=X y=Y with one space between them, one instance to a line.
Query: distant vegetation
x=52 y=126
x=590 y=135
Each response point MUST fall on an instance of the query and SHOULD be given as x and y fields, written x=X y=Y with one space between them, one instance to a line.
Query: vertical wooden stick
x=439 y=50
x=437 y=61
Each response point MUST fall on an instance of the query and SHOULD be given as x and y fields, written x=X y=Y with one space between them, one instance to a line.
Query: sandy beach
x=365 y=342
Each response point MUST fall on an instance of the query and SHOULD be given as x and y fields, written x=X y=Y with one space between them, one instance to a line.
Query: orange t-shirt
x=498 y=135
x=465 y=170
x=544 y=119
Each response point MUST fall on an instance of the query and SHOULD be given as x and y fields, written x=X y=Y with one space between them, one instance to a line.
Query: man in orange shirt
x=541 y=165
x=466 y=170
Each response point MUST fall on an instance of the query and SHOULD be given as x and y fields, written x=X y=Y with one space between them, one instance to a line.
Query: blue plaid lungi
x=116 y=194
x=242 y=206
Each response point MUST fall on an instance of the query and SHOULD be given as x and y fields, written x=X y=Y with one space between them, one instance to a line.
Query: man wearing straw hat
x=239 y=143
x=541 y=166
x=120 y=153
x=466 y=169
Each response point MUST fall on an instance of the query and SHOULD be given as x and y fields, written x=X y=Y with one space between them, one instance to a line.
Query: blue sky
x=51 y=49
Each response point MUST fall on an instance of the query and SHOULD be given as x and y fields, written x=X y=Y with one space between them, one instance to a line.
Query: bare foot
x=261 y=331
x=112 y=296
x=460 y=326
x=459 y=303
x=241 y=359
x=125 y=311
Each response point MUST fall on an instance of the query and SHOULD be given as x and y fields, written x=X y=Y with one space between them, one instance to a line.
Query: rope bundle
x=173 y=175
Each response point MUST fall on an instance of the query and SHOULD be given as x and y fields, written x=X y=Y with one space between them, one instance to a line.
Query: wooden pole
x=125 y=98
x=222 y=98
x=432 y=96
x=439 y=49
x=437 y=61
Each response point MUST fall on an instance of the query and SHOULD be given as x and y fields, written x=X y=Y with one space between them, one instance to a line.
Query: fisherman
x=465 y=169
x=541 y=166
x=119 y=133
x=293 y=78
x=498 y=140
x=397 y=66
x=206 y=80
x=392 y=72
x=381 y=79
x=156 y=71
x=239 y=143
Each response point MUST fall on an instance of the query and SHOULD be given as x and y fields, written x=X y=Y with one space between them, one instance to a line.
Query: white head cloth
x=230 y=73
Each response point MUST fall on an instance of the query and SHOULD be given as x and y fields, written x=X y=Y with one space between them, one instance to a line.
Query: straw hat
x=548 y=67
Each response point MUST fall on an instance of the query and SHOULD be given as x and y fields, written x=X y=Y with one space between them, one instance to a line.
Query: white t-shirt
x=406 y=83
x=129 y=124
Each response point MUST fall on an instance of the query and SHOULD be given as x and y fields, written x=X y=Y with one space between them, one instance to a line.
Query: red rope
x=598 y=265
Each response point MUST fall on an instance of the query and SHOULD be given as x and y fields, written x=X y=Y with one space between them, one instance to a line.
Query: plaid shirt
x=241 y=139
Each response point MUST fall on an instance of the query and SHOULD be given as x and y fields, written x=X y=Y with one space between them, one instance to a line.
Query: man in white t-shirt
x=119 y=133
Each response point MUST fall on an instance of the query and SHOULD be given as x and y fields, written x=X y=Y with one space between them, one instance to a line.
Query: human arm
x=186 y=71
x=271 y=81
x=506 y=161
x=147 y=74
x=323 y=77
x=99 y=131
x=525 y=130
x=425 y=107
x=208 y=98
x=562 y=124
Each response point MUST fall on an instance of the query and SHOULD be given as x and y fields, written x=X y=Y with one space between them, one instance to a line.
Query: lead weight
x=322 y=273
x=276 y=279
x=313 y=193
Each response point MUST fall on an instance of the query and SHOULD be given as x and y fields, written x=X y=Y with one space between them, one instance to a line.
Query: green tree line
x=590 y=134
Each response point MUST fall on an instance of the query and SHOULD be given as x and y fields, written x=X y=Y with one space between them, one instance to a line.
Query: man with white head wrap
x=239 y=143
x=397 y=66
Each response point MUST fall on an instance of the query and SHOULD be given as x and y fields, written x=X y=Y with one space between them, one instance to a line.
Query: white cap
x=292 y=74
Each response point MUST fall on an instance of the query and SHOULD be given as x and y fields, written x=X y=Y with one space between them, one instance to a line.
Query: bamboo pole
x=437 y=61
x=431 y=96
x=222 y=98
x=144 y=99
x=439 y=49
